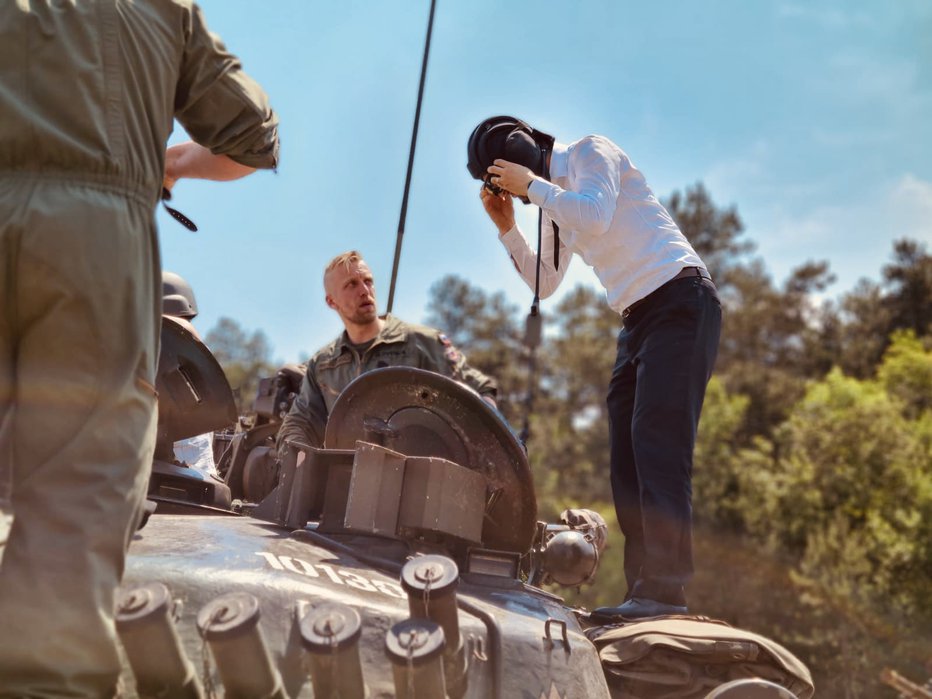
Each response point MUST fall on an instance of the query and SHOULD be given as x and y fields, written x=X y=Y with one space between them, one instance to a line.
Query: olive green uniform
x=88 y=92
x=336 y=365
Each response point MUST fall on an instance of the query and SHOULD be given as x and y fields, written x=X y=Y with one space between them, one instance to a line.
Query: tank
x=404 y=558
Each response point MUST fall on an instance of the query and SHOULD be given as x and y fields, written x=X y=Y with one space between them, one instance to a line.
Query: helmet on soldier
x=177 y=296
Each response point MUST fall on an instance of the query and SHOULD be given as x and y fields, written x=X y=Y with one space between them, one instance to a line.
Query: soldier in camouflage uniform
x=88 y=93
x=369 y=342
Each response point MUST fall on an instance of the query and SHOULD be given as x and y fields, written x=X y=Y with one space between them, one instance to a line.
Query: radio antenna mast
x=404 y=199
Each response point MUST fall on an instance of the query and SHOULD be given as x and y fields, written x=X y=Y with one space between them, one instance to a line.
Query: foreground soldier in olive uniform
x=369 y=342
x=88 y=91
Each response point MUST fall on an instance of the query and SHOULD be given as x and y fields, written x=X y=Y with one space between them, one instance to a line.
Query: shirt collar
x=392 y=331
x=559 y=158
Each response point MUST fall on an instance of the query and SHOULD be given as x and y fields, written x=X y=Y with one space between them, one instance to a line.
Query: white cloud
x=842 y=137
x=909 y=202
x=865 y=77
x=855 y=238
x=834 y=18
x=814 y=229
x=873 y=17
x=874 y=78
x=748 y=168
x=756 y=173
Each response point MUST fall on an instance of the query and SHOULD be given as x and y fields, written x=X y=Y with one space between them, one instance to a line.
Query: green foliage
x=845 y=458
x=906 y=372
x=844 y=486
x=909 y=280
x=861 y=329
x=718 y=473
x=772 y=337
x=769 y=345
x=486 y=328
x=245 y=358
x=714 y=233
x=569 y=435
x=840 y=447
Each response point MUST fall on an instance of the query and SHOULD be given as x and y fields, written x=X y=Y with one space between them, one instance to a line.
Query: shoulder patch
x=452 y=354
x=449 y=350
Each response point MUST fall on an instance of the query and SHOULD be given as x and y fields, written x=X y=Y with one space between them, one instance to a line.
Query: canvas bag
x=682 y=657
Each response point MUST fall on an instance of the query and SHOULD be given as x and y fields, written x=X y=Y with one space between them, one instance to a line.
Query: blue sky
x=812 y=117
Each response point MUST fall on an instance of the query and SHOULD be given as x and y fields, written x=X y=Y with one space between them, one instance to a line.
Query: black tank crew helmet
x=511 y=139
x=177 y=297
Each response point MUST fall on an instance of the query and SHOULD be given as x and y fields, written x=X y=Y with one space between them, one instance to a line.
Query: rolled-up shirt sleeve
x=219 y=105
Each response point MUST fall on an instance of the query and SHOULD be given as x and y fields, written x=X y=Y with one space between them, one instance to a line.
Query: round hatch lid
x=420 y=413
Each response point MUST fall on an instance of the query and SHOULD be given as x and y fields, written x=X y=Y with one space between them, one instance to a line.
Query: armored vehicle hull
x=518 y=641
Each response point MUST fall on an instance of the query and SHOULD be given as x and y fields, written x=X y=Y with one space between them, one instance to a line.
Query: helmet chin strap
x=545 y=154
x=535 y=304
x=545 y=171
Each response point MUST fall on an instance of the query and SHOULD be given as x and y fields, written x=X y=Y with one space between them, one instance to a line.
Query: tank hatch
x=194 y=394
x=422 y=414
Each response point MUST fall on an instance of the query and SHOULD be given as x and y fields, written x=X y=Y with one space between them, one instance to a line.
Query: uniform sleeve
x=446 y=359
x=596 y=168
x=307 y=419
x=219 y=105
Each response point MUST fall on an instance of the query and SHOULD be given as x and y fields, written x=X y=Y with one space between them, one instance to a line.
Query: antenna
x=404 y=199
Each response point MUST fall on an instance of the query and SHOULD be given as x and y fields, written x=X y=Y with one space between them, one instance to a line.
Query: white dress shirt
x=607 y=215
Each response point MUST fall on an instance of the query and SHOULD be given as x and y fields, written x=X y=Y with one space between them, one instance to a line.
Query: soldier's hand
x=174 y=155
x=500 y=209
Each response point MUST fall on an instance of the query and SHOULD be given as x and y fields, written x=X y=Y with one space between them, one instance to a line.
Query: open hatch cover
x=420 y=413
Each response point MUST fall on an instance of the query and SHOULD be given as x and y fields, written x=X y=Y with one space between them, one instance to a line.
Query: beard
x=363 y=316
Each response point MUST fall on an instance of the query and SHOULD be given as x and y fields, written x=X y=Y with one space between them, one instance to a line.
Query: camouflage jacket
x=336 y=365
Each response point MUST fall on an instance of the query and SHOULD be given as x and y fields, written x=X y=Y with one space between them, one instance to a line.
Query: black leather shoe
x=638 y=608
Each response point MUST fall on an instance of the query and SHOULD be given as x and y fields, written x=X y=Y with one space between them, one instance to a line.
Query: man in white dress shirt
x=595 y=203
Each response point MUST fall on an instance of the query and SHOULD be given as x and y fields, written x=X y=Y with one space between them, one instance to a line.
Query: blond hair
x=344 y=259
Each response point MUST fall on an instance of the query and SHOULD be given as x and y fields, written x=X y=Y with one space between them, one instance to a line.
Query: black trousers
x=666 y=353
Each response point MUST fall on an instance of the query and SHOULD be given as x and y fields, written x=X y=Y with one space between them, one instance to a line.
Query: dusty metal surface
x=200 y=558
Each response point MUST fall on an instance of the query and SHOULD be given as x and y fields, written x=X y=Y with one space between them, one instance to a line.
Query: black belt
x=682 y=274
